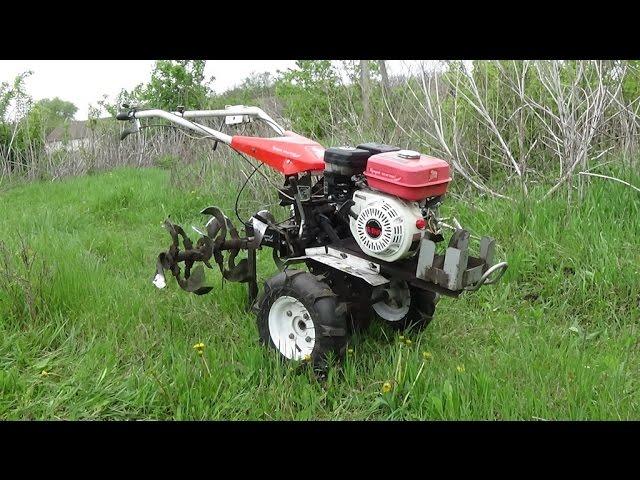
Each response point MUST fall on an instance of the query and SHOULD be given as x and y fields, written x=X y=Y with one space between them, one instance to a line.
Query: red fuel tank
x=407 y=174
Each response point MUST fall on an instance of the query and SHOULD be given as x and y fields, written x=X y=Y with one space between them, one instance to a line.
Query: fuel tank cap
x=412 y=154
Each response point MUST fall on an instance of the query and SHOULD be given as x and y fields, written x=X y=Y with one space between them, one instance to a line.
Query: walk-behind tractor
x=363 y=220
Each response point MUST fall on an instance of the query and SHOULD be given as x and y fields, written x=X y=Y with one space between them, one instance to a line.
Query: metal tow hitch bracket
x=456 y=270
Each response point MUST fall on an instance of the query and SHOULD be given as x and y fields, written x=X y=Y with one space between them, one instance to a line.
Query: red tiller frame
x=289 y=154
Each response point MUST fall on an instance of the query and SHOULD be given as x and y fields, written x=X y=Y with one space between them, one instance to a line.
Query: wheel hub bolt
x=291 y=336
x=306 y=316
x=289 y=313
x=308 y=339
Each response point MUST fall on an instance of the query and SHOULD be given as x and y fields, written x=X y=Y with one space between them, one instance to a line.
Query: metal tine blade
x=196 y=279
x=159 y=279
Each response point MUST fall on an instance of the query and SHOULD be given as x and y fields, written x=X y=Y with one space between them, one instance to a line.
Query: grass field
x=85 y=335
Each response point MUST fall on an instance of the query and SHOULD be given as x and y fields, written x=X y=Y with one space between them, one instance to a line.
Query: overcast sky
x=84 y=82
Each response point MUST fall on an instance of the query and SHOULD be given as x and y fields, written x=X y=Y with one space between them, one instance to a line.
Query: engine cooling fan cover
x=385 y=225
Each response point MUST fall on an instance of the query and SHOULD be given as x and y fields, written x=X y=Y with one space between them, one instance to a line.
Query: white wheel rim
x=291 y=328
x=396 y=307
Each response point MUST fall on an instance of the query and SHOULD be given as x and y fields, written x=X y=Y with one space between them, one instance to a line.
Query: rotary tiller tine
x=164 y=261
x=159 y=279
x=188 y=244
x=203 y=290
x=170 y=227
x=210 y=210
x=175 y=231
x=213 y=227
x=196 y=280
x=238 y=273
x=217 y=226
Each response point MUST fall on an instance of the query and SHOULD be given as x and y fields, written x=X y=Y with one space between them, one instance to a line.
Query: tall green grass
x=84 y=334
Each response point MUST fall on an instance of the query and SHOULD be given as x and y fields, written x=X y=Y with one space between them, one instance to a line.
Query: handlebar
x=182 y=119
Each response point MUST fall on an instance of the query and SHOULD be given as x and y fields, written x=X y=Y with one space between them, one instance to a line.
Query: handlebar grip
x=123 y=116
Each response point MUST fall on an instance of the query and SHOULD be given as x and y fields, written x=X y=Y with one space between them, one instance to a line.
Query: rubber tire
x=329 y=316
x=420 y=314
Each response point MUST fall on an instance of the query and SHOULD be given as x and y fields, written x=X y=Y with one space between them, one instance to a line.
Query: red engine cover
x=290 y=154
x=408 y=178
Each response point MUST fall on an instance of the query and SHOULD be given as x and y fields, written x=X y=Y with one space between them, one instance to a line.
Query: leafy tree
x=258 y=83
x=113 y=107
x=255 y=86
x=352 y=70
x=14 y=94
x=173 y=83
x=21 y=125
x=176 y=82
x=60 y=109
x=308 y=91
x=55 y=112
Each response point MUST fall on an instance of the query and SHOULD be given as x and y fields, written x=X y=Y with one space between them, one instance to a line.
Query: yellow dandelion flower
x=306 y=358
x=401 y=337
x=407 y=342
x=460 y=368
x=350 y=350
x=386 y=387
x=427 y=355
x=199 y=348
x=44 y=373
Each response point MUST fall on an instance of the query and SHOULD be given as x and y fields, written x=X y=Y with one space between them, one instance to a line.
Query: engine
x=386 y=227
x=389 y=188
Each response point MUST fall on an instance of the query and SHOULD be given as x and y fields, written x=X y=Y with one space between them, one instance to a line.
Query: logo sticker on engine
x=373 y=228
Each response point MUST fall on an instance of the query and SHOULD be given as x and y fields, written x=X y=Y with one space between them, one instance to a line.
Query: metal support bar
x=252 y=282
